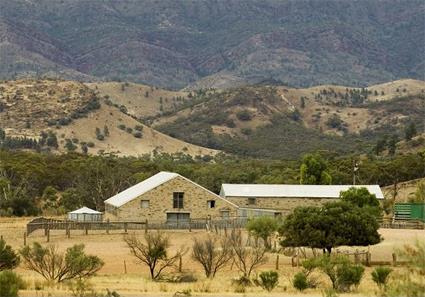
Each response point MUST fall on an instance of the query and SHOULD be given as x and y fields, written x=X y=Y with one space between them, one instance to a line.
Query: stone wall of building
x=161 y=201
x=280 y=204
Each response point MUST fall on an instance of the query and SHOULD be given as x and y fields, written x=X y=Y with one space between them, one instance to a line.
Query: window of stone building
x=178 y=199
x=144 y=203
x=211 y=203
x=251 y=200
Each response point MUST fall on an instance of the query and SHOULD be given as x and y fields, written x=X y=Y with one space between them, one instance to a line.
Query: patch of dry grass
x=112 y=249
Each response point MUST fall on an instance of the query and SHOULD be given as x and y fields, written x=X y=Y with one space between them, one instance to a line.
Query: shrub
x=137 y=134
x=244 y=115
x=129 y=130
x=212 y=254
x=269 y=280
x=8 y=258
x=121 y=126
x=349 y=275
x=10 y=284
x=90 y=144
x=138 y=128
x=300 y=281
x=100 y=137
x=153 y=252
x=380 y=276
x=58 y=267
x=339 y=269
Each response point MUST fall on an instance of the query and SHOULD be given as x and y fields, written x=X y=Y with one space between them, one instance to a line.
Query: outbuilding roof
x=296 y=191
x=140 y=188
x=85 y=210
x=150 y=184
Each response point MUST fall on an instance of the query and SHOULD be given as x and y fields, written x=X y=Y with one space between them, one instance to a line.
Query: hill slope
x=78 y=117
x=280 y=122
x=175 y=43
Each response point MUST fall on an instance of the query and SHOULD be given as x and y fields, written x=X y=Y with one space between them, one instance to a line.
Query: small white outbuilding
x=85 y=214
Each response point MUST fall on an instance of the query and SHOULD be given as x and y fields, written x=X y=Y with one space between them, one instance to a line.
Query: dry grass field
x=112 y=249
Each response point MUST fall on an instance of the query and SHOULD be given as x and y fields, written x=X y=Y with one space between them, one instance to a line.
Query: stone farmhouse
x=170 y=197
x=253 y=199
x=167 y=196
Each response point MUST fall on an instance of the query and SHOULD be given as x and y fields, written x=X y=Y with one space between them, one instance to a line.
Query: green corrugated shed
x=410 y=211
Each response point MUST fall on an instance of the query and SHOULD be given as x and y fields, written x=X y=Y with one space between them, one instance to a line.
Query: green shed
x=409 y=211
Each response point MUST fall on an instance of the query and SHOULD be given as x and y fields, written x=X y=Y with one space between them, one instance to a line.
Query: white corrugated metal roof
x=85 y=210
x=140 y=188
x=313 y=191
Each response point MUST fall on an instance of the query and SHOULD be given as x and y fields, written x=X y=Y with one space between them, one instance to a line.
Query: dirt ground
x=125 y=275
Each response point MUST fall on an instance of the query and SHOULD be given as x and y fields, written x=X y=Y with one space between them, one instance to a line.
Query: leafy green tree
x=263 y=227
x=2 y=134
x=410 y=131
x=334 y=224
x=58 y=267
x=392 y=145
x=362 y=198
x=8 y=258
x=419 y=195
x=314 y=170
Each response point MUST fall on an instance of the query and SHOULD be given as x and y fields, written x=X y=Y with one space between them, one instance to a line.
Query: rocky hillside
x=275 y=121
x=69 y=116
x=174 y=44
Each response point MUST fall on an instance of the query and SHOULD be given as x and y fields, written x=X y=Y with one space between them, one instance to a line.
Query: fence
x=47 y=224
x=399 y=224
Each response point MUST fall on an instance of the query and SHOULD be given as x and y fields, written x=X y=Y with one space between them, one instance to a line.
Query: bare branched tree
x=247 y=258
x=59 y=267
x=153 y=252
x=212 y=253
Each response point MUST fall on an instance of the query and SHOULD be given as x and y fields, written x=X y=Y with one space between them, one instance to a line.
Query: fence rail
x=48 y=224
x=208 y=224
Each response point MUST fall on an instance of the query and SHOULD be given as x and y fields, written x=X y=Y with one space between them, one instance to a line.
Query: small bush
x=129 y=130
x=121 y=126
x=244 y=115
x=380 y=276
x=348 y=276
x=138 y=128
x=329 y=292
x=10 y=284
x=269 y=280
x=90 y=144
x=137 y=134
x=300 y=281
x=100 y=137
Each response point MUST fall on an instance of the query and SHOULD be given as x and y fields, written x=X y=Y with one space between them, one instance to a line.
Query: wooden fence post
x=107 y=226
x=125 y=267
x=146 y=226
x=225 y=230
x=180 y=263
x=394 y=259
x=48 y=235
x=25 y=238
x=125 y=229
x=190 y=225
x=277 y=262
x=356 y=257
x=86 y=229
x=45 y=229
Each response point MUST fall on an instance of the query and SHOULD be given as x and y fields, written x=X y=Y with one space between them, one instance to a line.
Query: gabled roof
x=140 y=188
x=148 y=185
x=308 y=191
x=85 y=210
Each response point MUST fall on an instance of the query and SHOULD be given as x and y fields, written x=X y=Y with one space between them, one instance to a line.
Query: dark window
x=251 y=200
x=178 y=199
x=211 y=203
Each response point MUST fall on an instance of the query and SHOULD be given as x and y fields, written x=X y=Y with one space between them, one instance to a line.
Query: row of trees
x=82 y=180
